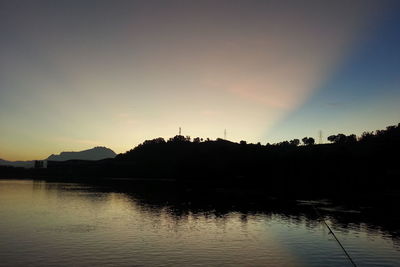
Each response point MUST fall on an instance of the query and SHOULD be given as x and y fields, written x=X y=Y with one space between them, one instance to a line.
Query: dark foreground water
x=69 y=224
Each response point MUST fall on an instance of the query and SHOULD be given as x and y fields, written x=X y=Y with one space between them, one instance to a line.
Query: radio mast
x=320 y=136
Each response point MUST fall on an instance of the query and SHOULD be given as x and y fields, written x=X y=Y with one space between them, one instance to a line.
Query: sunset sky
x=78 y=74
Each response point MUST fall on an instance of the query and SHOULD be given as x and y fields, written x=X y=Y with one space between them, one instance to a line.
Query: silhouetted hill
x=96 y=153
x=349 y=165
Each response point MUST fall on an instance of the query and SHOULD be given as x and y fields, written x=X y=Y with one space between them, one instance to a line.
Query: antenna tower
x=180 y=130
x=320 y=136
x=225 y=134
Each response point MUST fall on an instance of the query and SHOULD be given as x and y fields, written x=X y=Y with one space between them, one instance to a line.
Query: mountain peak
x=96 y=153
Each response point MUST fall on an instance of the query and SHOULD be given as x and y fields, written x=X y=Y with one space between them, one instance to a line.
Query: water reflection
x=73 y=224
x=177 y=204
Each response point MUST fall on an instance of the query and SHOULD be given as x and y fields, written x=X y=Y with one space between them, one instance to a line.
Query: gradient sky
x=77 y=74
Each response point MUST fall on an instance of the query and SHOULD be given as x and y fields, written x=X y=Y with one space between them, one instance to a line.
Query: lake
x=59 y=224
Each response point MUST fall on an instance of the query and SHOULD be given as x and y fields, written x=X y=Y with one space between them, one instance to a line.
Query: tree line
x=391 y=133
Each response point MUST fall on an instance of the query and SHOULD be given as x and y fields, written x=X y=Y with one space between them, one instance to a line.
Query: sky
x=79 y=74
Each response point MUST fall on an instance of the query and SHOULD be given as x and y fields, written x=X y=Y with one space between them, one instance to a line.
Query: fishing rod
x=337 y=240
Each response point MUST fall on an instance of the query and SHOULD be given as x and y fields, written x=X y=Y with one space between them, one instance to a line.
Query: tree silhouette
x=177 y=139
x=308 y=141
x=196 y=140
x=342 y=139
x=295 y=142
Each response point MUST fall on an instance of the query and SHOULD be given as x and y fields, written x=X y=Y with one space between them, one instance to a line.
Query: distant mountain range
x=96 y=153
x=23 y=164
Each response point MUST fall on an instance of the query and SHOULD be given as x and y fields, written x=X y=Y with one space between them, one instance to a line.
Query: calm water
x=70 y=224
